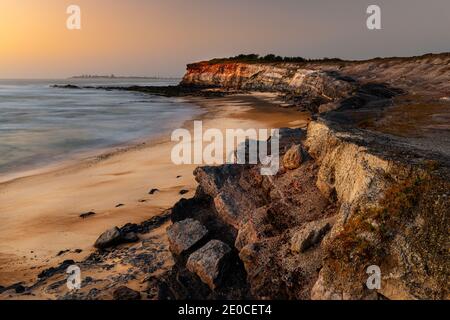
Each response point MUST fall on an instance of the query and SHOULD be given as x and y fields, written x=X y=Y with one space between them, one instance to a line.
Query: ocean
x=40 y=125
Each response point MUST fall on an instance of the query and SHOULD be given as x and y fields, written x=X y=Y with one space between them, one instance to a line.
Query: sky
x=159 y=37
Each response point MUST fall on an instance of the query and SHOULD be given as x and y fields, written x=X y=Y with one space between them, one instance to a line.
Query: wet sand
x=40 y=213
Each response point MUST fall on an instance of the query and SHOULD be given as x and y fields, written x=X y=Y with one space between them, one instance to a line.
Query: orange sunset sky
x=159 y=37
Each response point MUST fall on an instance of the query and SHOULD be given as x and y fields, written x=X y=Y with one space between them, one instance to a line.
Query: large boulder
x=183 y=235
x=293 y=157
x=210 y=262
x=108 y=238
x=228 y=209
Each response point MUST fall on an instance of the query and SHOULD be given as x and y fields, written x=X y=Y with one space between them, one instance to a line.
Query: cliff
x=311 y=231
x=428 y=72
x=314 y=85
x=362 y=194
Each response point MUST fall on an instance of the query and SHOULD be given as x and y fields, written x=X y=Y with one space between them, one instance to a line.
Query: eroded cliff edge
x=310 y=232
x=357 y=195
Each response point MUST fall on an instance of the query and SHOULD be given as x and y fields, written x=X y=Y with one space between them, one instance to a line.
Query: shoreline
x=90 y=155
x=41 y=211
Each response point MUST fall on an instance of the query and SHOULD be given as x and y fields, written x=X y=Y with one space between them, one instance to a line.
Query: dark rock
x=210 y=262
x=125 y=293
x=66 y=86
x=185 y=234
x=119 y=205
x=54 y=270
x=78 y=251
x=62 y=252
x=129 y=227
x=87 y=214
x=56 y=284
x=17 y=287
x=109 y=238
x=86 y=281
x=147 y=225
x=184 y=191
x=153 y=191
x=184 y=208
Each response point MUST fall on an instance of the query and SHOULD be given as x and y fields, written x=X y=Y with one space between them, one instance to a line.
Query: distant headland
x=113 y=76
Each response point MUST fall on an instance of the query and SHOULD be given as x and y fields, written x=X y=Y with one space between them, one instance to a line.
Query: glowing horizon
x=159 y=37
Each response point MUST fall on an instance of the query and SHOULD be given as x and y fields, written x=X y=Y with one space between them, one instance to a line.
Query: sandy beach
x=40 y=213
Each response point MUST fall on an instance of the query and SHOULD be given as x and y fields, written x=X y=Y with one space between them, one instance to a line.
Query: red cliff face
x=285 y=78
x=330 y=79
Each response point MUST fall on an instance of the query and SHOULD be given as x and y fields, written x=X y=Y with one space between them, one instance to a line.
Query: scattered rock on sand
x=183 y=235
x=87 y=214
x=65 y=86
x=210 y=262
x=125 y=293
x=54 y=270
x=17 y=287
x=62 y=252
x=108 y=238
x=293 y=157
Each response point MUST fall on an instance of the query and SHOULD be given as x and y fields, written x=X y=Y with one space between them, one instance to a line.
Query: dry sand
x=40 y=212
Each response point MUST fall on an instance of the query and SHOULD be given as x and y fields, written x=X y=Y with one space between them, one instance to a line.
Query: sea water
x=40 y=124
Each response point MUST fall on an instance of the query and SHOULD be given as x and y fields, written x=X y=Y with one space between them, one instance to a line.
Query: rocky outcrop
x=324 y=86
x=354 y=198
x=109 y=238
x=314 y=87
x=210 y=262
x=269 y=77
x=384 y=190
x=184 y=235
x=293 y=158
x=115 y=236
x=326 y=77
